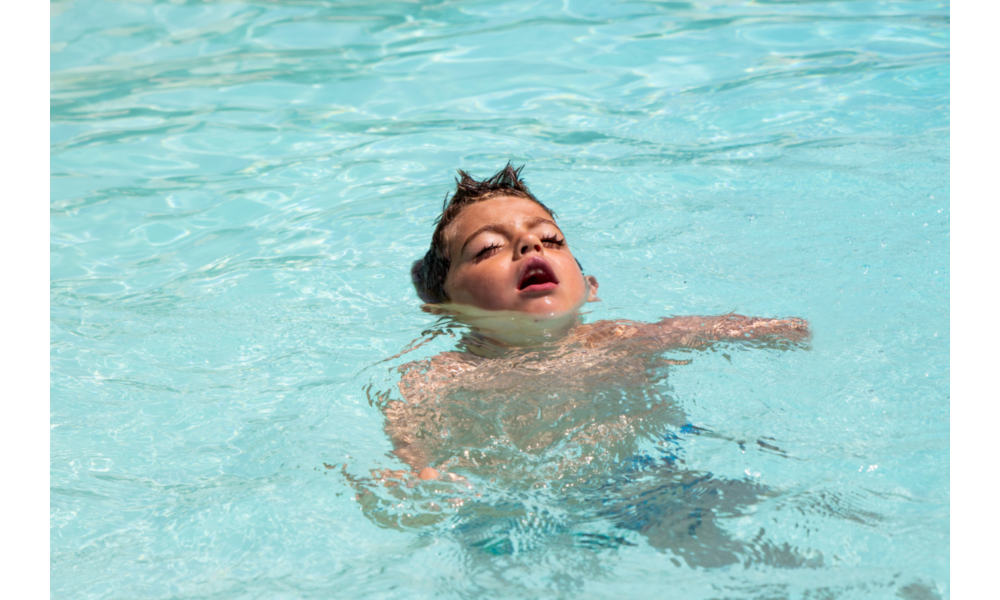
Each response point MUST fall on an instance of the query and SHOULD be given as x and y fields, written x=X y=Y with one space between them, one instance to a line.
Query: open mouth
x=537 y=275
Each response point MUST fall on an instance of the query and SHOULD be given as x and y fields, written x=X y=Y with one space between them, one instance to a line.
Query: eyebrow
x=532 y=222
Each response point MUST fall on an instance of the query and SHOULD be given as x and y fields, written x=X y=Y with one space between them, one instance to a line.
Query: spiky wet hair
x=429 y=273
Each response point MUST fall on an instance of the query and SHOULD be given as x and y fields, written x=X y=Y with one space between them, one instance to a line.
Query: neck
x=493 y=333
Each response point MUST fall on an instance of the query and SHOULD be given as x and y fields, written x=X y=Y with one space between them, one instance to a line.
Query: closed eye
x=555 y=241
x=488 y=250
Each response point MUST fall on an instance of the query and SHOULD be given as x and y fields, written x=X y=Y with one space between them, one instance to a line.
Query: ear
x=592 y=285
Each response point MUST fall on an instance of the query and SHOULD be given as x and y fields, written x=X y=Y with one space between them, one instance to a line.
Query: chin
x=546 y=307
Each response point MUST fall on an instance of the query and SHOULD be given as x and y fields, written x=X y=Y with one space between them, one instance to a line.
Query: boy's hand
x=428 y=473
x=390 y=478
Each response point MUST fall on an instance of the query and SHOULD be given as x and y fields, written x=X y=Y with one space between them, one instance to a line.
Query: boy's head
x=497 y=247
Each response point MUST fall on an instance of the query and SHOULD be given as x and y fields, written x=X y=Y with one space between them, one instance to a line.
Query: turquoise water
x=239 y=188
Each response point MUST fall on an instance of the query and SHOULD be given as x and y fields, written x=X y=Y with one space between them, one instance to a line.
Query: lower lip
x=540 y=287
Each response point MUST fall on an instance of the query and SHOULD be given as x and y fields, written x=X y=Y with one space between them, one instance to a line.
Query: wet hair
x=429 y=273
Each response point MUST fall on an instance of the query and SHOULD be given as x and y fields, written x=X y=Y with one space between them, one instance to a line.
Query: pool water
x=238 y=190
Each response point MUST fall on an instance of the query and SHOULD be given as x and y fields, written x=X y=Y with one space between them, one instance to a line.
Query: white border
x=24 y=35
x=974 y=99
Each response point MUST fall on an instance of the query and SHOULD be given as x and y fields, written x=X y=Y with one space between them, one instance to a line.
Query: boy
x=499 y=263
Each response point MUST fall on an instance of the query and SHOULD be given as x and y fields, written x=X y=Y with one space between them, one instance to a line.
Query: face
x=508 y=254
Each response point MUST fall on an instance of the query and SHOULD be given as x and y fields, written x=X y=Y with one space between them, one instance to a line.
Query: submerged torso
x=572 y=437
x=550 y=412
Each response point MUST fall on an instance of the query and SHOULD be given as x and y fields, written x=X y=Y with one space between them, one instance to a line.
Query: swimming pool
x=239 y=188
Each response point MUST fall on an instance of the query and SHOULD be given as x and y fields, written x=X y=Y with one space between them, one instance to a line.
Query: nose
x=527 y=244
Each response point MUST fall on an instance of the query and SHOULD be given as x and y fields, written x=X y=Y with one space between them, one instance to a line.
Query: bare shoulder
x=446 y=364
x=422 y=377
x=600 y=333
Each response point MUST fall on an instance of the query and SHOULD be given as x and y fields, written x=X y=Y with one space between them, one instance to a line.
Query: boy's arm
x=401 y=423
x=699 y=331
x=422 y=382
